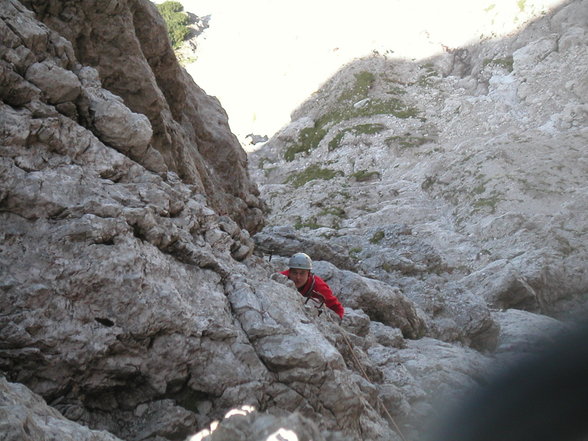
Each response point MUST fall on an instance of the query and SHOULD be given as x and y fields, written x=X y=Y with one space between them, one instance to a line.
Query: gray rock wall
x=132 y=300
x=189 y=132
x=460 y=179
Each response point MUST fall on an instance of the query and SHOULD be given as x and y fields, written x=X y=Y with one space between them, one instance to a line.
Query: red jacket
x=315 y=285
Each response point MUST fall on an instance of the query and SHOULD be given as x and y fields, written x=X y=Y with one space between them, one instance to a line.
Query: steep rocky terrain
x=443 y=201
x=460 y=179
x=188 y=132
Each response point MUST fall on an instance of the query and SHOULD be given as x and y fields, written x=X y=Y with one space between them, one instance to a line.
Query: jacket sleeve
x=330 y=300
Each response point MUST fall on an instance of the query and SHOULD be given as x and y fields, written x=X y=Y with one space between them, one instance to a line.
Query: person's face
x=299 y=276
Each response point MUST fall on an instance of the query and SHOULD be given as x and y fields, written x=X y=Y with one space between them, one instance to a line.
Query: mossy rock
x=310 y=137
x=377 y=237
x=310 y=223
x=407 y=141
x=365 y=175
x=312 y=173
x=361 y=129
x=308 y=140
x=333 y=211
x=506 y=63
x=363 y=83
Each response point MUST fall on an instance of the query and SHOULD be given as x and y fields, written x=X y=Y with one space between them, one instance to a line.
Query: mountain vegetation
x=176 y=21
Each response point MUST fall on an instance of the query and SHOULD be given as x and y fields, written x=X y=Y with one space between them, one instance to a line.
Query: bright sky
x=262 y=58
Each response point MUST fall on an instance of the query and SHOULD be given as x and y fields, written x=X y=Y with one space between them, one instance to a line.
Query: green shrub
x=176 y=20
x=395 y=90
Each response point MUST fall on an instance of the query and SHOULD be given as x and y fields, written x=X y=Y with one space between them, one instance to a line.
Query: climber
x=311 y=285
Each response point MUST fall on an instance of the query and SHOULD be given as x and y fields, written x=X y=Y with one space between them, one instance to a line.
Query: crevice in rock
x=191 y=399
x=104 y=321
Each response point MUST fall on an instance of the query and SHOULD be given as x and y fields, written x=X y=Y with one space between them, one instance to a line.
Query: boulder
x=57 y=84
x=25 y=416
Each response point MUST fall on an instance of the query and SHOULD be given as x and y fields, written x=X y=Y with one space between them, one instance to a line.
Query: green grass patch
x=391 y=106
x=362 y=85
x=368 y=129
x=479 y=189
x=362 y=129
x=308 y=139
x=389 y=268
x=335 y=143
x=396 y=91
x=425 y=80
x=377 y=237
x=354 y=253
x=344 y=194
x=262 y=161
x=312 y=173
x=488 y=203
x=406 y=141
x=364 y=175
x=310 y=223
x=268 y=171
x=339 y=195
x=311 y=137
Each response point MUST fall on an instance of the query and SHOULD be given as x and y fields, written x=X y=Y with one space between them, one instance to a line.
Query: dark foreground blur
x=544 y=397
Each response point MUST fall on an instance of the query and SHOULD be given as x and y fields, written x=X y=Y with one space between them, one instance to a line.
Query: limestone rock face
x=162 y=119
x=130 y=298
x=451 y=193
x=58 y=85
x=460 y=180
x=135 y=300
x=381 y=302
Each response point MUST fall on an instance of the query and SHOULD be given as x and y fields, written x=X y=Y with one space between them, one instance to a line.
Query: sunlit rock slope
x=459 y=179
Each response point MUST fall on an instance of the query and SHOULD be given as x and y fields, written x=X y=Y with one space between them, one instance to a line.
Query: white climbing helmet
x=301 y=261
